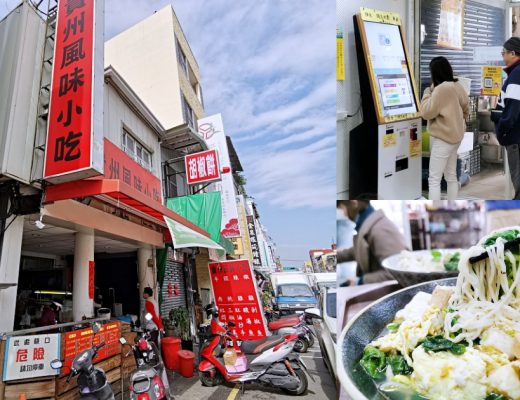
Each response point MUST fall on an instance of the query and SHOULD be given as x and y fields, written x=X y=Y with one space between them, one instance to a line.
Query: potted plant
x=181 y=320
x=169 y=326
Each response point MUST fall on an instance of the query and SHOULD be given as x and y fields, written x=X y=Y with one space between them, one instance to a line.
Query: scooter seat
x=258 y=346
x=284 y=322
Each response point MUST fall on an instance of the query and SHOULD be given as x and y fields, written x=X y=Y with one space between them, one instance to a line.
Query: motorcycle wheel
x=302 y=387
x=301 y=346
x=207 y=380
x=310 y=338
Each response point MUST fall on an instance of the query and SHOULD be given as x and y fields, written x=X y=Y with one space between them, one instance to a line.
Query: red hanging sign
x=91 y=280
x=74 y=147
x=202 y=167
x=237 y=298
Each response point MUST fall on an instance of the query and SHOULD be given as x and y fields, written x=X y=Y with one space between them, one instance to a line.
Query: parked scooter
x=294 y=323
x=270 y=361
x=92 y=381
x=149 y=381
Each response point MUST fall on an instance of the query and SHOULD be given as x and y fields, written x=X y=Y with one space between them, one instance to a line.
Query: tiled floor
x=489 y=184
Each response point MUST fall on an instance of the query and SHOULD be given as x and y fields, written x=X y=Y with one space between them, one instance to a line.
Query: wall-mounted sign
x=77 y=341
x=74 y=145
x=237 y=298
x=202 y=167
x=119 y=165
x=30 y=356
x=491 y=81
x=255 y=248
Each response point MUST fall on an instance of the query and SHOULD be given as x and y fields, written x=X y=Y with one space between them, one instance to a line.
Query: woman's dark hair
x=441 y=71
x=148 y=290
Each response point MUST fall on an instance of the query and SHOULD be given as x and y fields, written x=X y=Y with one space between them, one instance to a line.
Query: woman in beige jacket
x=445 y=106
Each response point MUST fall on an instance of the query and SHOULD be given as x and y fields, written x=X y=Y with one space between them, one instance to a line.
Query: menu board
x=77 y=341
x=237 y=299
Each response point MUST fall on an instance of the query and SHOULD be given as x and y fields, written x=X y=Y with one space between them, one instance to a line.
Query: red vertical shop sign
x=91 y=279
x=237 y=298
x=74 y=146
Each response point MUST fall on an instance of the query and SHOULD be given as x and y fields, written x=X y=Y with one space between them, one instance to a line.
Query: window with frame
x=188 y=114
x=183 y=61
x=137 y=151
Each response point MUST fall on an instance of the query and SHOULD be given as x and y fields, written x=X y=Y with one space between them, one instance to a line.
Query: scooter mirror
x=148 y=317
x=313 y=313
x=122 y=340
x=96 y=327
x=56 y=364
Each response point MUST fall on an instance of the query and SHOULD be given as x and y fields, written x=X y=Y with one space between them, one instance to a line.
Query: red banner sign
x=77 y=341
x=119 y=165
x=71 y=153
x=202 y=167
x=91 y=279
x=237 y=298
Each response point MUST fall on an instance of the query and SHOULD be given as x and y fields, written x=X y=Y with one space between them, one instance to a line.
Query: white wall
x=145 y=57
x=348 y=91
x=119 y=114
x=22 y=35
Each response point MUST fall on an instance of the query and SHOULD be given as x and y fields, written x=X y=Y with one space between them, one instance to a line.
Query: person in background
x=49 y=315
x=445 y=104
x=507 y=114
x=155 y=324
x=377 y=238
x=260 y=281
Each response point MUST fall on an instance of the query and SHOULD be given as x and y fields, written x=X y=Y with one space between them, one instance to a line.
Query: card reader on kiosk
x=386 y=149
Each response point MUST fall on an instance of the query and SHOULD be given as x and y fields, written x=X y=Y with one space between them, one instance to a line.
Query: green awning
x=182 y=236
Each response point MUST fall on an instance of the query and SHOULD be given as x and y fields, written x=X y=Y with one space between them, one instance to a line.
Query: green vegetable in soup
x=393 y=327
x=440 y=343
x=494 y=396
x=506 y=235
x=374 y=362
x=453 y=262
x=399 y=365
x=436 y=255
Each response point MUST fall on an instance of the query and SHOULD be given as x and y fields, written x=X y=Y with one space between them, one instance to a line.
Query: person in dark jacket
x=507 y=114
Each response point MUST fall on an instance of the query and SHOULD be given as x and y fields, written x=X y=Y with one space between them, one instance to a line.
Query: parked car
x=326 y=328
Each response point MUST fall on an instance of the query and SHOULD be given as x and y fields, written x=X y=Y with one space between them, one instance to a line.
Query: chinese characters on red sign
x=237 y=298
x=30 y=356
x=257 y=260
x=91 y=279
x=70 y=122
x=118 y=165
x=77 y=341
x=202 y=167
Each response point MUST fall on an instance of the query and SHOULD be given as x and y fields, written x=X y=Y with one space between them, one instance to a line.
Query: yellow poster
x=386 y=17
x=491 y=81
x=340 y=57
x=390 y=140
x=415 y=148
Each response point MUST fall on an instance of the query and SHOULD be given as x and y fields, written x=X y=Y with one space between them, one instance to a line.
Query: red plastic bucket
x=186 y=361
x=170 y=348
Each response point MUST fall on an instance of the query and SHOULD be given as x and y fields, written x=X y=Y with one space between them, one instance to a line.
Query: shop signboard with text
x=74 y=144
x=77 y=341
x=30 y=356
x=212 y=130
x=237 y=299
x=119 y=165
x=202 y=167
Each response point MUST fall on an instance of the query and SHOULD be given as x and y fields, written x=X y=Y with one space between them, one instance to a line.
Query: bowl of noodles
x=450 y=339
x=412 y=267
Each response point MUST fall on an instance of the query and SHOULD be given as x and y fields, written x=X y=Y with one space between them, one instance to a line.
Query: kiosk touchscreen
x=385 y=150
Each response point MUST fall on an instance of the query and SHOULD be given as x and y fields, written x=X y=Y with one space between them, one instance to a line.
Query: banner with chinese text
x=74 y=145
x=212 y=130
x=237 y=299
x=202 y=167
x=255 y=248
x=30 y=356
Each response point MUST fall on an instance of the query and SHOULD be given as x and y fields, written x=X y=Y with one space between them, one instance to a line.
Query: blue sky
x=268 y=67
